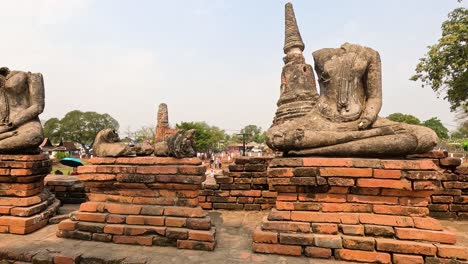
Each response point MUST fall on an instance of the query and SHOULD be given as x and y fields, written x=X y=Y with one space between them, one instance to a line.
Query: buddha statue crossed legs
x=21 y=102
x=343 y=120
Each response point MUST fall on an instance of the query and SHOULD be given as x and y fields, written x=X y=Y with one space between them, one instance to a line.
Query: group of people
x=73 y=172
x=215 y=162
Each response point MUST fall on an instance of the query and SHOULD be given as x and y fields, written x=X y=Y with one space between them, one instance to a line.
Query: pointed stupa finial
x=292 y=37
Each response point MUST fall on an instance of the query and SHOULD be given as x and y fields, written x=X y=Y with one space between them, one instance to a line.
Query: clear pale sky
x=209 y=60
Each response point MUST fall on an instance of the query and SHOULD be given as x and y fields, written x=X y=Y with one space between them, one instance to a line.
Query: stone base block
x=363 y=210
x=146 y=225
x=148 y=201
x=25 y=206
x=358 y=237
x=67 y=188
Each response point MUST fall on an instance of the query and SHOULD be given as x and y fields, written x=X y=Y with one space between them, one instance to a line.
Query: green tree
x=78 y=126
x=145 y=133
x=435 y=124
x=52 y=129
x=254 y=133
x=61 y=154
x=404 y=118
x=445 y=66
x=461 y=132
x=207 y=138
x=432 y=123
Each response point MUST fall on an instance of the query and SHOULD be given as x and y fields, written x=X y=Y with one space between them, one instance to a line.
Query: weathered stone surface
x=298 y=91
x=162 y=126
x=107 y=144
x=21 y=101
x=172 y=142
x=345 y=116
x=179 y=145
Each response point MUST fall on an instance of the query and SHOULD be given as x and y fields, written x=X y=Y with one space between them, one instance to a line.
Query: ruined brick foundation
x=364 y=210
x=67 y=188
x=243 y=187
x=451 y=200
x=150 y=201
x=25 y=206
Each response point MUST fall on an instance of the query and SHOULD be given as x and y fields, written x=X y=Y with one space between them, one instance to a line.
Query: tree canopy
x=206 y=137
x=78 y=126
x=433 y=123
x=145 y=133
x=445 y=66
x=254 y=133
x=461 y=132
x=404 y=118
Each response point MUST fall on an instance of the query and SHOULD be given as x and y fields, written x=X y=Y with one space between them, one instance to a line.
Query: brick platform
x=365 y=210
x=243 y=187
x=143 y=201
x=25 y=206
x=67 y=188
x=451 y=201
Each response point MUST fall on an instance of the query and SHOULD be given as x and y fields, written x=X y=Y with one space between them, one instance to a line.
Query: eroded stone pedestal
x=143 y=201
x=365 y=210
x=25 y=206
x=67 y=188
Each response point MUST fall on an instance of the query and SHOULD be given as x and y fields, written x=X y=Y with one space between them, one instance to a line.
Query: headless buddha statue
x=21 y=102
x=343 y=120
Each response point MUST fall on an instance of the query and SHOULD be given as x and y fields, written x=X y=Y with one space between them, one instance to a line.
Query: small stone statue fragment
x=108 y=144
x=178 y=145
x=143 y=149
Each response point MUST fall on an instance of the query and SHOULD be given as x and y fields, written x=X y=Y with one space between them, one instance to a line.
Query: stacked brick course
x=243 y=187
x=143 y=201
x=25 y=206
x=365 y=210
x=67 y=188
x=451 y=201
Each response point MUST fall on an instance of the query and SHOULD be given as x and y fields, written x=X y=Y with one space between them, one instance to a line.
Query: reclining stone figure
x=179 y=145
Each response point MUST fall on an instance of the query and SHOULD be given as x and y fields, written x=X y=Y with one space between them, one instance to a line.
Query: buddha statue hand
x=393 y=130
x=364 y=123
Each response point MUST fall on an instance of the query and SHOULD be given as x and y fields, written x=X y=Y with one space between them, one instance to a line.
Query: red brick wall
x=243 y=187
x=143 y=201
x=25 y=206
x=364 y=210
x=67 y=188
x=451 y=200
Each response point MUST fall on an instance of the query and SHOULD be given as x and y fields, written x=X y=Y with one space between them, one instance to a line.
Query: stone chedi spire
x=298 y=89
x=292 y=37
x=162 y=125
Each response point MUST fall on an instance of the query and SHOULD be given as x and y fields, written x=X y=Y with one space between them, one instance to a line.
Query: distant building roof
x=47 y=145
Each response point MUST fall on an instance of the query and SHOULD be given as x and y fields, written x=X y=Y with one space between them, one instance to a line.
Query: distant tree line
x=77 y=126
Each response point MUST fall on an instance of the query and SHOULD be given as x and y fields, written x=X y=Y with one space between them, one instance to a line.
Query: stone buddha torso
x=342 y=92
x=14 y=96
x=21 y=102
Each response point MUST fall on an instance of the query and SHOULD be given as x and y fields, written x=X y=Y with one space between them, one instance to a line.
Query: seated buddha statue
x=343 y=120
x=21 y=102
